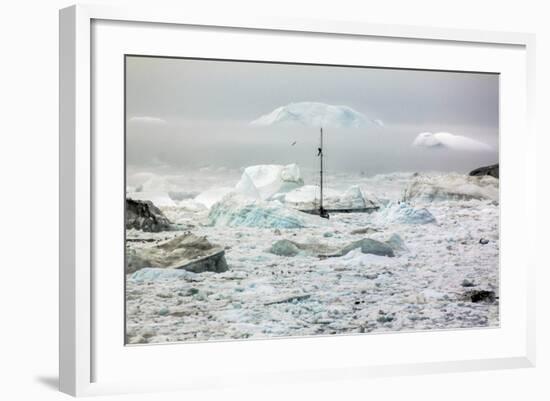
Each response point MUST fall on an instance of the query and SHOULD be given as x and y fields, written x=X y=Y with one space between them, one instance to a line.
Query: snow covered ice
x=315 y=114
x=286 y=278
x=236 y=210
x=307 y=197
x=265 y=181
x=404 y=214
x=444 y=187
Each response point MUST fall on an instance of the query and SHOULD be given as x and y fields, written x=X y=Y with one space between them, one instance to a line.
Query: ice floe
x=264 y=294
x=370 y=246
x=452 y=186
x=187 y=252
x=157 y=273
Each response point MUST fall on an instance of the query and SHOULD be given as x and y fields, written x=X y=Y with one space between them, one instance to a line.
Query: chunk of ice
x=452 y=186
x=403 y=213
x=211 y=196
x=237 y=210
x=270 y=179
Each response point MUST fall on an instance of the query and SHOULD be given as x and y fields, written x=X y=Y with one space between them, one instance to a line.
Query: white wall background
x=29 y=200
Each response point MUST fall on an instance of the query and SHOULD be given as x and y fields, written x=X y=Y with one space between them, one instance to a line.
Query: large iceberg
x=315 y=114
x=261 y=182
x=452 y=187
x=246 y=187
x=269 y=180
x=213 y=195
x=238 y=210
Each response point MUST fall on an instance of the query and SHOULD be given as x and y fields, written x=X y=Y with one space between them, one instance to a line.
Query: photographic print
x=268 y=200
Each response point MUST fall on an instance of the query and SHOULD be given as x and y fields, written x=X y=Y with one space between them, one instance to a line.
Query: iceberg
x=261 y=182
x=452 y=187
x=186 y=252
x=238 y=210
x=307 y=197
x=246 y=187
x=315 y=114
x=403 y=213
x=397 y=243
x=211 y=196
x=352 y=198
x=269 y=180
x=369 y=246
x=284 y=247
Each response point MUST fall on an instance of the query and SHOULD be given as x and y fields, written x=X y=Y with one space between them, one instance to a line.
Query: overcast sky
x=183 y=114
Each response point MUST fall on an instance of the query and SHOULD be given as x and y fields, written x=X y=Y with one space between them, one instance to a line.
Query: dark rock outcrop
x=145 y=216
x=480 y=296
x=487 y=170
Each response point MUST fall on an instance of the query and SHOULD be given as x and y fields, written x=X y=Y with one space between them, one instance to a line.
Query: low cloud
x=450 y=141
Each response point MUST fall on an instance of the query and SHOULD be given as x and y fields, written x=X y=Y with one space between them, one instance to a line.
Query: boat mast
x=321 y=172
x=322 y=211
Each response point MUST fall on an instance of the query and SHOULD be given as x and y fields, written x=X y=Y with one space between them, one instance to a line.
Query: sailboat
x=321 y=211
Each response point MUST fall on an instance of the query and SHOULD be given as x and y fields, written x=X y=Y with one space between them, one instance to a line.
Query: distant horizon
x=183 y=114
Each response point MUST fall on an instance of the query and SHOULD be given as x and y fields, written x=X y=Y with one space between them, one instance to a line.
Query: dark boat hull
x=333 y=211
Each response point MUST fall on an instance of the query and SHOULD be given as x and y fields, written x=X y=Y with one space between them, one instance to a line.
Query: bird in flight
x=293 y=143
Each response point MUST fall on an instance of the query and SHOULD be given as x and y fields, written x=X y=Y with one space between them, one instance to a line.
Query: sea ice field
x=435 y=263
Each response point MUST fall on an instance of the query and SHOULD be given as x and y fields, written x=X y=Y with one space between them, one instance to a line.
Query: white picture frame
x=79 y=345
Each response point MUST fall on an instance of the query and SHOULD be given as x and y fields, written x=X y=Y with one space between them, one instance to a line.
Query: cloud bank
x=450 y=141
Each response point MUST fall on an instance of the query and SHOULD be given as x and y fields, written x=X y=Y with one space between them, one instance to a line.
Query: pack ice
x=270 y=196
x=250 y=203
